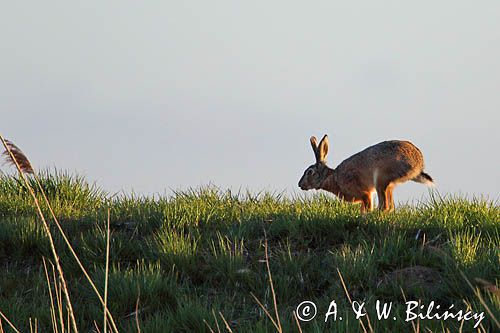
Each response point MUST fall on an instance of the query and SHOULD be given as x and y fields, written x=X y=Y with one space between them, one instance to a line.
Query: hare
x=377 y=168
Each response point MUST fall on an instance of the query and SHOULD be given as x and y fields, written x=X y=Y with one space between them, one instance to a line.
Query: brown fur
x=378 y=168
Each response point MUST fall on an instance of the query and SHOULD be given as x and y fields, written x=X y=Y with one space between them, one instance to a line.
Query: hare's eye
x=309 y=172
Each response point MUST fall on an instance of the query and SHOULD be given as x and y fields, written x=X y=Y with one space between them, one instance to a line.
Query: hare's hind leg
x=382 y=199
x=390 y=199
x=384 y=196
x=384 y=191
x=366 y=202
x=385 y=199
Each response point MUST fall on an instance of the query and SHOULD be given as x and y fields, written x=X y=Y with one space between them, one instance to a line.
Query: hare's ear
x=323 y=148
x=314 y=145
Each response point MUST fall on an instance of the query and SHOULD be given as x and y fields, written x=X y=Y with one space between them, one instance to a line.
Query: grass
x=175 y=261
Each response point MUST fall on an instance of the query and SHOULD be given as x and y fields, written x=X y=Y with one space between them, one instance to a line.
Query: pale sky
x=157 y=95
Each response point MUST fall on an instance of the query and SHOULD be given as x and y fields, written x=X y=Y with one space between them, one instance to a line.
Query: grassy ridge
x=201 y=250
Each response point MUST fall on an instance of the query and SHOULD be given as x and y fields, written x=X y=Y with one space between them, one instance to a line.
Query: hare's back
x=386 y=155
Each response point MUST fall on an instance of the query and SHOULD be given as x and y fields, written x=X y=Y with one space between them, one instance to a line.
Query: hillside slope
x=186 y=257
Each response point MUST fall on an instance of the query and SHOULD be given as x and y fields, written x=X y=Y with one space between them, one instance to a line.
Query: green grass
x=199 y=251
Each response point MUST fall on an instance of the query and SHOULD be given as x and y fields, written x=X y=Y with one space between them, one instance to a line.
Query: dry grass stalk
x=265 y=311
x=276 y=322
x=52 y=306
x=14 y=161
x=75 y=256
x=136 y=310
x=216 y=321
x=57 y=290
x=225 y=322
x=350 y=301
x=33 y=325
x=8 y=322
x=77 y=259
x=416 y=329
x=272 y=288
x=22 y=165
x=297 y=321
x=98 y=330
x=208 y=326
x=105 y=329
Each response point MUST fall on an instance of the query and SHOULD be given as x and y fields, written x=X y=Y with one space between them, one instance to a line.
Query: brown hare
x=377 y=168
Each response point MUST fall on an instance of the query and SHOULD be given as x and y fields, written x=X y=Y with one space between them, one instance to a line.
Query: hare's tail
x=424 y=179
